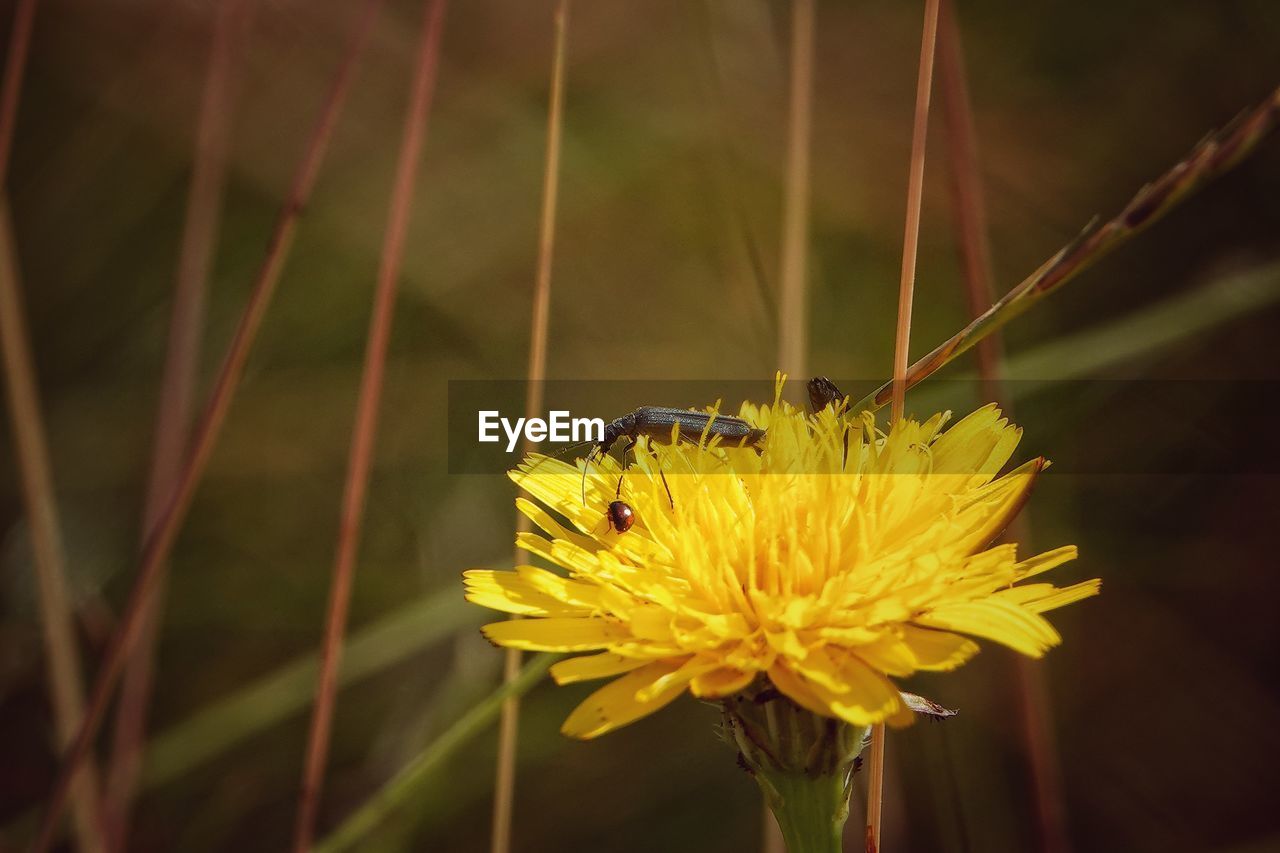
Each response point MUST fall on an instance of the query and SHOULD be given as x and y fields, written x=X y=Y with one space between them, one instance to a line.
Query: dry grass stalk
x=902 y=339
x=360 y=458
x=61 y=654
x=793 y=275
x=1212 y=157
x=177 y=385
x=509 y=721
x=160 y=544
x=970 y=217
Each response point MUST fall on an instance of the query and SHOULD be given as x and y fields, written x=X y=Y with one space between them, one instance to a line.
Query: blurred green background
x=1164 y=711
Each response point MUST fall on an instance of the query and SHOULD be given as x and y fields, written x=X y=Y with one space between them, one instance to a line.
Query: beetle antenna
x=586 y=463
x=670 y=499
x=562 y=451
x=657 y=465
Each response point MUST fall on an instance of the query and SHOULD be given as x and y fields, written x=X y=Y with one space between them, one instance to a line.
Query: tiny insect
x=621 y=516
x=658 y=422
x=619 y=513
x=822 y=393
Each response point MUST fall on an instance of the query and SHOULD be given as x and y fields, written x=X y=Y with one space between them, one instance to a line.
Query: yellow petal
x=1046 y=561
x=1040 y=597
x=559 y=485
x=798 y=689
x=555 y=635
x=589 y=667
x=571 y=592
x=889 y=654
x=998 y=620
x=721 y=682
x=562 y=552
x=981 y=442
x=937 y=650
x=849 y=687
x=514 y=593
x=1014 y=489
x=616 y=704
x=553 y=528
x=853 y=636
x=691 y=668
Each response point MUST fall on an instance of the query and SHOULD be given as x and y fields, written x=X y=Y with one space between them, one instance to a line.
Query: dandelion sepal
x=802 y=761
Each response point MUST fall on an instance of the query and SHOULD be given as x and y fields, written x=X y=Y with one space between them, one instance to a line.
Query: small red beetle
x=621 y=516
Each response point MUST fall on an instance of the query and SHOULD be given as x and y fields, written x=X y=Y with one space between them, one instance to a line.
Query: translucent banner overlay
x=1118 y=427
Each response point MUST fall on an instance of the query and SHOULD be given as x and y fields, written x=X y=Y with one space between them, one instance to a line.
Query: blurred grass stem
x=177 y=385
x=793 y=277
x=35 y=470
x=901 y=345
x=915 y=192
x=405 y=783
x=968 y=201
x=509 y=726
x=15 y=67
x=969 y=207
x=159 y=545
x=32 y=456
x=360 y=458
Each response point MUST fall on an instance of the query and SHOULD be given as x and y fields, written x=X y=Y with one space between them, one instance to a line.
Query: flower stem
x=803 y=763
x=811 y=810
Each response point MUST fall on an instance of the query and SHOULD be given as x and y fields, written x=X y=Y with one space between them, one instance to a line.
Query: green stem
x=811 y=810
x=802 y=762
x=406 y=783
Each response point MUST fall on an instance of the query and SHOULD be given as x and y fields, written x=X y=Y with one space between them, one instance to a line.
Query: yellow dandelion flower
x=832 y=560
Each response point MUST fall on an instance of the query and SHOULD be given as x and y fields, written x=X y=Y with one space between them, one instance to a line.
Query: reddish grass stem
x=360 y=458
x=915 y=191
x=509 y=721
x=39 y=499
x=15 y=67
x=968 y=201
x=174 y=408
x=969 y=205
x=902 y=339
x=160 y=544
x=61 y=653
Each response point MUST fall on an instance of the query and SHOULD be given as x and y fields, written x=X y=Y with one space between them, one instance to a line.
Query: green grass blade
x=289 y=690
x=1210 y=158
x=402 y=786
x=1143 y=333
x=1146 y=332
